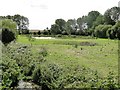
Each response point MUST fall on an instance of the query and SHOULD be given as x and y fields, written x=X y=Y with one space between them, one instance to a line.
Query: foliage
x=101 y=31
x=9 y=32
x=112 y=15
x=10 y=71
x=18 y=63
x=21 y=21
x=114 y=32
x=61 y=24
x=82 y=23
x=55 y=29
x=7 y=36
x=71 y=62
x=99 y=20
x=61 y=69
x=43 y=52
x=92 y=16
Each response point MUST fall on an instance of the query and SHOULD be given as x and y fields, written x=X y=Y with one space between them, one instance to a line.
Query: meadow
x=96 y=54
x=63 y=62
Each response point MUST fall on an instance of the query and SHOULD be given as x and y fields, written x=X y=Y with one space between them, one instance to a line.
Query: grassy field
x=96 y=54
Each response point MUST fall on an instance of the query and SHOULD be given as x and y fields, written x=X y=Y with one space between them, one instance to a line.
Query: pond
x=43 y=37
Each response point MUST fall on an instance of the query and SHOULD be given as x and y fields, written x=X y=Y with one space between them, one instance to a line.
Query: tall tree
x=99 y=20
x=55 y=29
x=61 y=23
x=82 y=23
x=22 y=22
x=92 y=16
x=112 y=15
x=71 y=26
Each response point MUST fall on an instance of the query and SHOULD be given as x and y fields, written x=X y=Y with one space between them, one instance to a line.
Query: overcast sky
x=43 y=13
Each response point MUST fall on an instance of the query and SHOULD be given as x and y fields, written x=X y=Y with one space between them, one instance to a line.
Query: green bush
x=9 y=31
x=36 y=77
x=101 y=31
x=10 y=72
x=43 y=52
x=7 y=36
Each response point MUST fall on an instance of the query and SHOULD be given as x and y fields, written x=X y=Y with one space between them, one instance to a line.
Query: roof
x=34 y=30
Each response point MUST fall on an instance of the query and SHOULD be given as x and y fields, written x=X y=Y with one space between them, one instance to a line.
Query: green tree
x=55 y=29
x=22 y=23
x=80 y=22
x=9 y=32
x=99 y=20
x=114 y=32
x=71 y=26
x=61 y=23
x=82 y=25
x=112 y=15
x=101 y=31
x=92 y=16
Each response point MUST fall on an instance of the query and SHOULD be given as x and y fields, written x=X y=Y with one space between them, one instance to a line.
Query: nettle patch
x=84 y=43
x=88 y=44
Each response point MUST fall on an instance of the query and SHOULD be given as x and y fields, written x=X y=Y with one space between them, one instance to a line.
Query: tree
x=112 y=15
x=114 y=32
x=55 y=29
x=101 y=31
x=9 y=24
x=99 y=20
x=92 y=16
x=68 y=29
x=22 y=23
x=71 y=26
x=82 y=23
x=9 y=32
x=61 y=23
x=39 y=32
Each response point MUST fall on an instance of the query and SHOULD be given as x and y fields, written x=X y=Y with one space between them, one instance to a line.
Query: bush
x=7 y=36
x=9 y=31
x=37 y=75
x=101 y=31
x=10 y=72
x=43 y=52
x=114 y=32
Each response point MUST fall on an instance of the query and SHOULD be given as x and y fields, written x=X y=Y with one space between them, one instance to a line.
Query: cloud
x=42 y=6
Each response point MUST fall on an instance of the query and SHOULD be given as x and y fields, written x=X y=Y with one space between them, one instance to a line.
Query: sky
x=43 y=13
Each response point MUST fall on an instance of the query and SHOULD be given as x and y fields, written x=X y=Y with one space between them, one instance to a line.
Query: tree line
x=11 y=26
x=94 y=24
x=22 y=22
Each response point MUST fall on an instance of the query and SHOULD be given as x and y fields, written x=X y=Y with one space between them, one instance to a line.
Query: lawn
x=96 y=54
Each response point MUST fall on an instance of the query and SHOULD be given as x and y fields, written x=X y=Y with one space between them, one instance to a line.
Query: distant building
x=34 y=31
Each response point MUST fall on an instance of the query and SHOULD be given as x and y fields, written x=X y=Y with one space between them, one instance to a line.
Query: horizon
x=43 y=13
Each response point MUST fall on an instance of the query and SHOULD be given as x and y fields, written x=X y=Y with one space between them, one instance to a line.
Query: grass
x=102 y=57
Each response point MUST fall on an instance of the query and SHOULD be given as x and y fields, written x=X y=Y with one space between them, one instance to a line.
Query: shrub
x=10 y=72
x=101 y=31
x=9 y=31
x=37 y=75
x=43 y=52
x=7 y=36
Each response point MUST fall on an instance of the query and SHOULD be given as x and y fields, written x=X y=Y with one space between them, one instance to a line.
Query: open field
x=96 y=54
